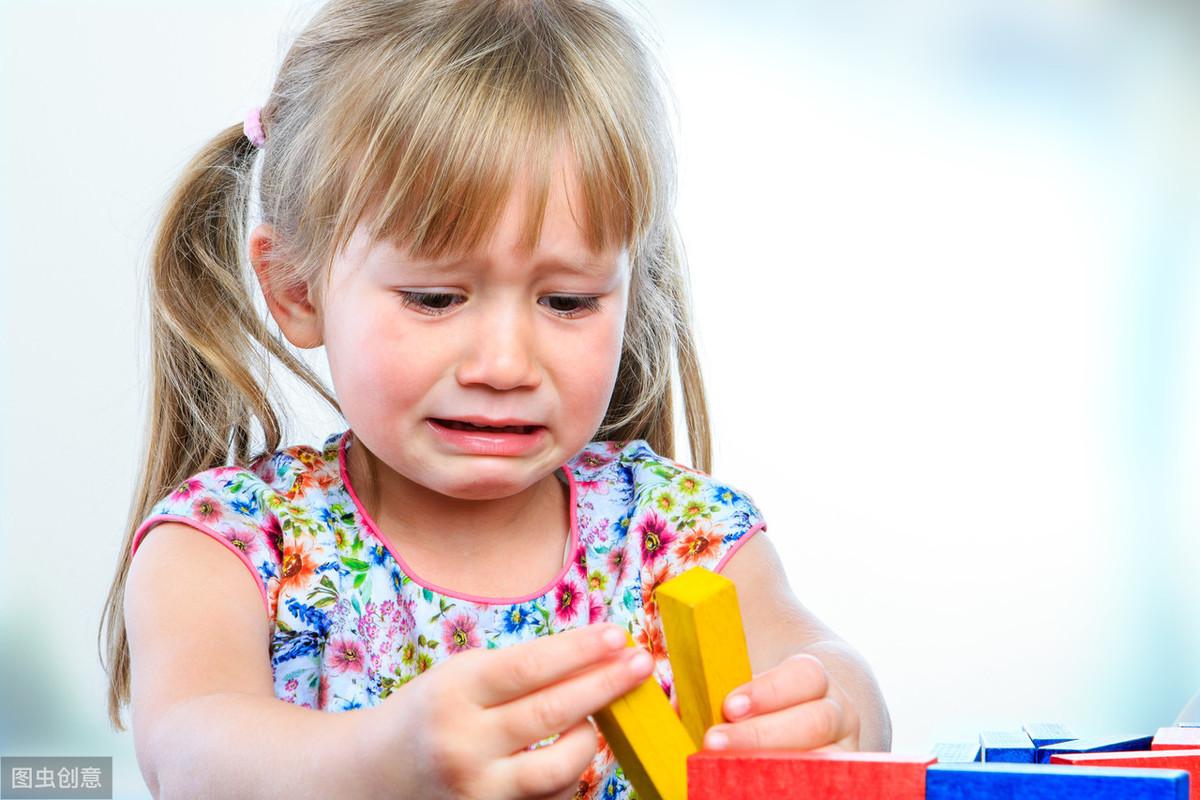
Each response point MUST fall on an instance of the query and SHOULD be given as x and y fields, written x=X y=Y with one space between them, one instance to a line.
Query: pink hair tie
x=252 y=127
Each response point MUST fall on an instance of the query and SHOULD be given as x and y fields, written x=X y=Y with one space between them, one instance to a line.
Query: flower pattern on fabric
x=352 y=624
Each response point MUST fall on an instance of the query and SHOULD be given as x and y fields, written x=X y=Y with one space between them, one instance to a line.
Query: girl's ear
x=292 y=308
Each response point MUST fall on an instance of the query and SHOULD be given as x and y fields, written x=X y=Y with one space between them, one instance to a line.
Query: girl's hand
x=792 y=706
x=463 y=728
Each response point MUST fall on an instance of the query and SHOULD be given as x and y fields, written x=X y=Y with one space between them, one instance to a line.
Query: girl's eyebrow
x=586 y=267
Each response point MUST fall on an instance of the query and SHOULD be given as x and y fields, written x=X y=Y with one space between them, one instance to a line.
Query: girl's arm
x=231 y=744
x=778 y=626
x=205 y=720
x=207 y=725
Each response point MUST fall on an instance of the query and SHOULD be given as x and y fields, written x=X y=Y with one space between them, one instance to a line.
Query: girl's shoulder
x=635 y=463
x=658 y=519
x=247 y=508
x=678 y=516
x=295 y=470
x=267 y=482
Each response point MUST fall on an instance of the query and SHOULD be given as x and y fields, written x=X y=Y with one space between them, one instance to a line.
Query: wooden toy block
x=1044 y=733
x=957 y=752
x=648 y=739
x=1052 y=782
x=1176 y=738
x=1147 y=759
x=1100 y=744
x=823 y=774
x=706 y=645
x=1010 y=747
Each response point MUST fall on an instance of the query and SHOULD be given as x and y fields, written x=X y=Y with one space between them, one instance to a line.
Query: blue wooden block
x=1100 y=744
x=957 y=752
x=1044 y=733
x=1010 y=747
x=1052 y=782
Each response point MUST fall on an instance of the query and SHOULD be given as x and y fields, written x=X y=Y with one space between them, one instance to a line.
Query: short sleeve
x=710 y=522
x=233 y=506
x=685 y=518
x=739 y=519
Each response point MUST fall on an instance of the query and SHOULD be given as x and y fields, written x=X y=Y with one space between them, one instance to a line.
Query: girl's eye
x=427 y=302
x=436 y=303
x=584 y=303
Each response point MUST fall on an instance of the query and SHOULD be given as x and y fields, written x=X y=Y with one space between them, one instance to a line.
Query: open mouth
x=467 y=426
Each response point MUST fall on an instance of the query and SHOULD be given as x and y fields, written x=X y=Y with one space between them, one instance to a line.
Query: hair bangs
x=437 y=159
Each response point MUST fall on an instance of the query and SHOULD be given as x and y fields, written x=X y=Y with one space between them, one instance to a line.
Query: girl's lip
x=489 y=443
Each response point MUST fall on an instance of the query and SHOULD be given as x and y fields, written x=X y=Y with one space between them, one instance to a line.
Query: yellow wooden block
x=706 y=645
x=649 y=741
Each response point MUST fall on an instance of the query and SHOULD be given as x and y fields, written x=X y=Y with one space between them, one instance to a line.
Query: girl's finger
x=516 y=671
x=796 y=679
x=543 y=713
x=807 y=726
x=549 y=772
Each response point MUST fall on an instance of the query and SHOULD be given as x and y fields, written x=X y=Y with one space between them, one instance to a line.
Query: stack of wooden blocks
x=661 y=752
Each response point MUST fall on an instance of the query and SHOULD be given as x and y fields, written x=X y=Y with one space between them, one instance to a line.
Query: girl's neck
x=414 y=519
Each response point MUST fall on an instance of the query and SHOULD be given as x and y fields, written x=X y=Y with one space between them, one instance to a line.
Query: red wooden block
x=1160 y=759
x=1176 y=739
x=825 y=774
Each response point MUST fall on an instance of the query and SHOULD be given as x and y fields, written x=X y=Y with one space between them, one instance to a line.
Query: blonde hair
x=420 y=111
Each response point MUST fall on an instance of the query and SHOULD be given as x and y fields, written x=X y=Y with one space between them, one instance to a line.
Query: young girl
x=468 y=204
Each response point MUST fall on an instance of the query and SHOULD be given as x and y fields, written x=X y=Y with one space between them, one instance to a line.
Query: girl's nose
x=500 y=351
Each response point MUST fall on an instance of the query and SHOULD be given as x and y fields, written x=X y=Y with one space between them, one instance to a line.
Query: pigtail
x=691 y=380
x=659 y=343
x=203 y=326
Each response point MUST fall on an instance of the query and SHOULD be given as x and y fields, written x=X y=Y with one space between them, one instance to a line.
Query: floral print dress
x=351 y=621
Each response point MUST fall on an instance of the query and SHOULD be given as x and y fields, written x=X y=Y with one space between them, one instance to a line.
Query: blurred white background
x=944 y=258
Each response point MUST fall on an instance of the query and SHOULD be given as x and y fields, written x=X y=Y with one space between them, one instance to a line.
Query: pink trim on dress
x=369 y=524
x=145 y=527
x=738 y=545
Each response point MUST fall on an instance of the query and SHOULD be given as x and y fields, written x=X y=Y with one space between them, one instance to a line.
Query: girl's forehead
x=496 y=226
x=559 y=250
x=562 y=235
